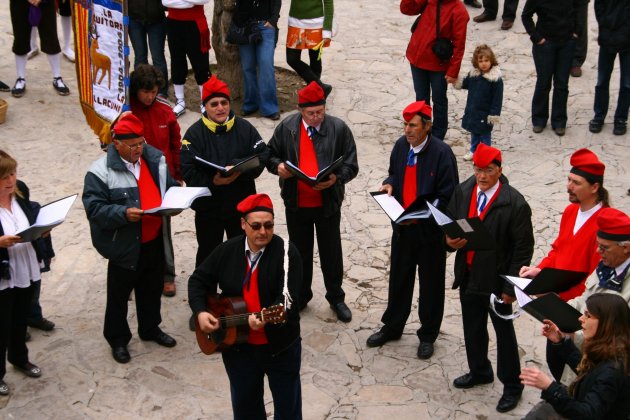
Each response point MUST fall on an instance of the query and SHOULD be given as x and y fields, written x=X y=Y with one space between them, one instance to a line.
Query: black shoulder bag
x=442 y=47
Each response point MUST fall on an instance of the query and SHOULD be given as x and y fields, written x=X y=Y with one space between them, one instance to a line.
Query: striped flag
x=102 y=61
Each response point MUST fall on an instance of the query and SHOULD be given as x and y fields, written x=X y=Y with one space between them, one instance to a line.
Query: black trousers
x=247 y=365
x=15 y=304
x=581 y=46
x=210 y=227
x=420 y=247
x=22 y=30
x=491 y=8
x=309 y=72
x=184 y=40
x=475 y=310
x=302 y=225
x=147 y=283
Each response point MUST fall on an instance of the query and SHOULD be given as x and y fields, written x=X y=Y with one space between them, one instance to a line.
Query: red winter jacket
x=453 y=21
x=161 y=130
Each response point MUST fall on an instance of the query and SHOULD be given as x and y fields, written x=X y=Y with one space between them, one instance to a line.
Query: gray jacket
x=109 y=190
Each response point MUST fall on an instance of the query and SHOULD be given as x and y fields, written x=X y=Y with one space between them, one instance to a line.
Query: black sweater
x=557 y=20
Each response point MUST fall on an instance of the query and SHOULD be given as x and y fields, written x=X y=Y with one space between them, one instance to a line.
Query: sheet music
x=440 y=218
x=519 y=282
x=180 y=197
x=55 y=211
x=390 y=205
x=521 y=297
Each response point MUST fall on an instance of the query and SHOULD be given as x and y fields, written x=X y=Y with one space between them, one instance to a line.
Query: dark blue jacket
x=485 y=98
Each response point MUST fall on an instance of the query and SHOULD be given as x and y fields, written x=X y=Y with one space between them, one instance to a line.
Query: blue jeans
x=156 y=34
x=428 y=83
x=475 y=139
x=259 y=73
x=553 y=63
x=246 y=366
x=605 y=64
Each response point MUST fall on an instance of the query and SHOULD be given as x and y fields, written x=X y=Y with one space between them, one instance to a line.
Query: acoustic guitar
x=233 y=322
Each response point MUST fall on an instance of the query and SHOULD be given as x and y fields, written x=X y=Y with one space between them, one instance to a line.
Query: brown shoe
x=507 y=24
x=484 y=17
x=169 y=289
x=576 y=71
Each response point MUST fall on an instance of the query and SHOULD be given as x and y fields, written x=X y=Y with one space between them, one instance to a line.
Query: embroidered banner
x=102 y=61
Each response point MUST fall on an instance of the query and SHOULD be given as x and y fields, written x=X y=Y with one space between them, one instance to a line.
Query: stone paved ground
x=341 y=378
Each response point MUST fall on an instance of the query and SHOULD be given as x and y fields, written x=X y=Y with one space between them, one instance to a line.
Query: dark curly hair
x=145 y=76
x=483 y=50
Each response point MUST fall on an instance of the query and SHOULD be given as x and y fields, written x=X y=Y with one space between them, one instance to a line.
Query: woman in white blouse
x=19 y=270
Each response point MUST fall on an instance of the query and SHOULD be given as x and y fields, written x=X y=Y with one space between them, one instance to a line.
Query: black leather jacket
x=334 y=139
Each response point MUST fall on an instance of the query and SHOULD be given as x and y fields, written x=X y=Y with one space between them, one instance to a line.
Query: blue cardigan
x=485 y=98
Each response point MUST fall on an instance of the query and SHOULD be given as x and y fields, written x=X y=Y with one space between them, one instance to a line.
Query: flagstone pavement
x=341 y=377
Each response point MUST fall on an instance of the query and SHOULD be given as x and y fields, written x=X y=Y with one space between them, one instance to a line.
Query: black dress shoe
x=42 y=324
x=468 y=381
x=595 y=126
x=19 y=88
x=164 y=339
x=29 y=370
x=425 y=350
x=4 y=87
x=619 y=128
x=381 y=337
x=342 y=311
x=507 y=403
x=121 y=354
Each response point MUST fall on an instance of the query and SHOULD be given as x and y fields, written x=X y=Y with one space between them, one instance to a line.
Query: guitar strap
x=285 y=287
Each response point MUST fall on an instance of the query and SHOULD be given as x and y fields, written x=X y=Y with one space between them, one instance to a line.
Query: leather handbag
x=237 y=34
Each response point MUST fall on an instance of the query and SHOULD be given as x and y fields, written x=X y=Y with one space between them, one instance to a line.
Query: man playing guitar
x=257 y=268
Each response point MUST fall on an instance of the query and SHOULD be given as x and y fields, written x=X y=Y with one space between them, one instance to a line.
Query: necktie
x=311 y=132
x=411 y=158
x=481 y=201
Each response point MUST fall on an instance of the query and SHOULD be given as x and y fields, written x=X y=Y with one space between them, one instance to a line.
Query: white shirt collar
x=134 y=168
x=622 y=267
x=306 y=126
x=247 y=248
x=490 y=192
x=583 y=216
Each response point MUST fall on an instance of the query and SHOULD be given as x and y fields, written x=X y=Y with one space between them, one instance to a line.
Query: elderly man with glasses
x=133 y=176
x=507 y=216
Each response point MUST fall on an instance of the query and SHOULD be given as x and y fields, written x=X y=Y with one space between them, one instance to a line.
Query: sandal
x=19 y=88
x=29 y=370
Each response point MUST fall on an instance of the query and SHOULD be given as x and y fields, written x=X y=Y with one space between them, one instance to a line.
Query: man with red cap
x=313 y=140
x=131 y=177
x=419 y=166
x=575 y=247
x=507 y=216
x=612 y=274
x=263 y=270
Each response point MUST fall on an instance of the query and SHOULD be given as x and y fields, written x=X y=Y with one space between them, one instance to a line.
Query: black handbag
x=442 y=47
x=237 y=34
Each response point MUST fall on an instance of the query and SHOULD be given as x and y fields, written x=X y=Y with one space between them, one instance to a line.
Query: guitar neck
x=228 y=321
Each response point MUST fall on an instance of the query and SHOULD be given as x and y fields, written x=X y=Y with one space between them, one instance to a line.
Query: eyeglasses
x=410 y=125
x=222 y=102
x=604 y=248
x=258 y=225
x=134 y=147
x=487 y=171
x=313 y=114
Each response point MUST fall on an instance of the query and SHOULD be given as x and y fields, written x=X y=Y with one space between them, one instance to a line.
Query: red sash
x=307 y=196
x=197 y=15
x=149 y=197
x=472 y=212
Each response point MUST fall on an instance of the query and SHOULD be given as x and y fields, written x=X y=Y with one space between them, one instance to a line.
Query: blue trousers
x=605 y=64
x=553 y=63
x=246 y=366
x=259 y=73
x=429 y=84
x=475 y=139
x=155 y=33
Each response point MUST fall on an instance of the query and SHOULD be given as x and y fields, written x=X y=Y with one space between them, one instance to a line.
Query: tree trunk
x=228 y=59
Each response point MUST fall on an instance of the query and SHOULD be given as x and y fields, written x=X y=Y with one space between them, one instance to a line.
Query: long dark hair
x=611 y=341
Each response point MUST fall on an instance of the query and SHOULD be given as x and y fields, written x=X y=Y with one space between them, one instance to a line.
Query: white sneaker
x=69 y=54
x=32 y=53
x=179 y=108
x=468 y=156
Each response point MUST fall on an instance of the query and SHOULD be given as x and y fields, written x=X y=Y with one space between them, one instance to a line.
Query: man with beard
x=575 y=247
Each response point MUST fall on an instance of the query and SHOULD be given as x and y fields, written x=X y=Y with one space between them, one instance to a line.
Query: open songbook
x=178 y=199
x=548 y=280
x=416 y=210
x=51 y=215
x=247 y=164
x=550 y=307
x=321 y=175
x=471 y=229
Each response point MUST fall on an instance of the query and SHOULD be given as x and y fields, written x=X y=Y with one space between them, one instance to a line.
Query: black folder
x=552 y=280
x=321 y=175
x=551 y=307
x=246 y=164
x=416 y=210
x=471 y=229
